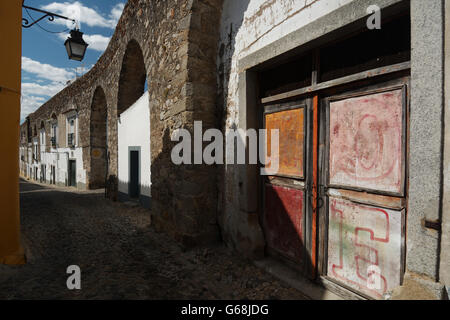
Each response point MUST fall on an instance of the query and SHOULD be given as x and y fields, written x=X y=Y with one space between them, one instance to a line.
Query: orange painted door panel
x=290 y=124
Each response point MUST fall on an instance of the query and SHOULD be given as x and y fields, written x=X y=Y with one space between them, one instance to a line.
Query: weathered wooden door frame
x=395 y=201
x=303 y=183
x=316 y=211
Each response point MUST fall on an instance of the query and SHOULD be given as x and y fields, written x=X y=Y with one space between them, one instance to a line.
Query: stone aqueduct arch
x=132 y=76
x=132 y=80
x=98 y=140
x=173 y=44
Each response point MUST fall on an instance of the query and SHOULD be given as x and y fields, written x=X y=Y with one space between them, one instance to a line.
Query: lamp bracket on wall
x=51 y=16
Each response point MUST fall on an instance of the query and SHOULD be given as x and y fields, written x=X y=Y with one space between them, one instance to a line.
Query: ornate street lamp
x=75 y=45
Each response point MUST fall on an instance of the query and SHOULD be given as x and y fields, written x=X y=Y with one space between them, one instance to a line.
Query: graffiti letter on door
x=366 y=141
x=362 y=240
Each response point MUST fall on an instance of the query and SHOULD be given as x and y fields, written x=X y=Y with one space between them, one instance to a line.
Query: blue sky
x=46 y=68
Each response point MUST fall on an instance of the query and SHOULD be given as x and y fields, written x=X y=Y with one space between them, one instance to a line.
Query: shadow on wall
x=111 y=189
x=163 y=196
x=227 y=174
x=285 y=227
x=163 y=174
x=242 y=226
x=179 y=198
x=98 y=140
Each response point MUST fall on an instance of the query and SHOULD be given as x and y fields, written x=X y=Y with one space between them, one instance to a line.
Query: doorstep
x=310 y=289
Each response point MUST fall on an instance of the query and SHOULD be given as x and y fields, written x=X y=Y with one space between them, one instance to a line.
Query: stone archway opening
x=133 y=77
x=98 y=140
x=133 y=129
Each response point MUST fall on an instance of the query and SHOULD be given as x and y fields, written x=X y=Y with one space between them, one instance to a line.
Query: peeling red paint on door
x=284 y=220
x=366 y=141
x=362 y=239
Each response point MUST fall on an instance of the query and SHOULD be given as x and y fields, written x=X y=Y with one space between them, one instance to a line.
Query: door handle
x=320 y=201
x=322 y=192
x=323 y=189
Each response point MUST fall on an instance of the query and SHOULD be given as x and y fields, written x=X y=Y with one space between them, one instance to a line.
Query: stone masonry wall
x=177 y=41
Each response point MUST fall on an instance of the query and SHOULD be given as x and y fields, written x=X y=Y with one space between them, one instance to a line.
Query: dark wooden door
x=134 y=174
x=287 y=192
x=72 y=173
x=53 y=175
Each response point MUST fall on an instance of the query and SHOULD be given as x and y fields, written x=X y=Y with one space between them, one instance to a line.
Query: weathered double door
x=288 y=194
x=336 y=207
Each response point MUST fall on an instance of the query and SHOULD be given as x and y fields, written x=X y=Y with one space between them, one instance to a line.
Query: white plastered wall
x=248 y=26
x=133 y=129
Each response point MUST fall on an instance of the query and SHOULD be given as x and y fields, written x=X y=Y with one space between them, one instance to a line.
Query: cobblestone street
x=120 y=256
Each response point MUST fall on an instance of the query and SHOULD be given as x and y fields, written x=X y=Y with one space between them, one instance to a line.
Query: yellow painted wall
x=11 y=251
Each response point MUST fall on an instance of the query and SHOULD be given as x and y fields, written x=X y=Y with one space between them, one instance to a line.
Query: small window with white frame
x=54 y=132
x=72 y=130
x=42 y=137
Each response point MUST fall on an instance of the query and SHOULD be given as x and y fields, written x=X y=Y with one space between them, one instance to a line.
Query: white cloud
x=41 y=90
x=33 y=95
x=96 y=42
x=116 y=12
x=83 y=14
x=46 y=71
x=29 y=104
x=36 y=90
